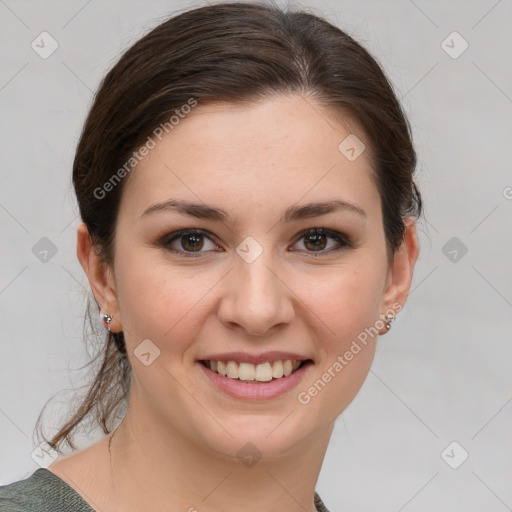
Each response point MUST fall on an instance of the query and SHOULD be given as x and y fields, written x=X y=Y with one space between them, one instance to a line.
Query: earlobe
x=100 y=277
x=401 y=271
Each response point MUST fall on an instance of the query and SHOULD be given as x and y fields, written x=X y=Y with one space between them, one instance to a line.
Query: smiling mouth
x=264 y=372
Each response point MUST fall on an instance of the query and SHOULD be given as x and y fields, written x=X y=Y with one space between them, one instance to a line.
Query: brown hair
x=228 y=52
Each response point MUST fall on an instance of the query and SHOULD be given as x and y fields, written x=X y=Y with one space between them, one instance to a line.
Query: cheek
x=345 y=308
x=345 y=301
x=160 y=301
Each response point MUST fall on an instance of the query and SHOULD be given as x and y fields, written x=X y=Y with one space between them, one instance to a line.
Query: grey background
x=441 y=375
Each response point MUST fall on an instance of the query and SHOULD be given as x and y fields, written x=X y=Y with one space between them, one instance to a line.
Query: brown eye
x=192 y=242
x=188 y=242
x=316 y=240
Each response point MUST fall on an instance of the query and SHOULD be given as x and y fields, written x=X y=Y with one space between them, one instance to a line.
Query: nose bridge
x=256 y=298
x=260 y=282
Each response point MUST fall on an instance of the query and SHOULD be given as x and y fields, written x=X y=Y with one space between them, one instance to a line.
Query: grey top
x=43 y=491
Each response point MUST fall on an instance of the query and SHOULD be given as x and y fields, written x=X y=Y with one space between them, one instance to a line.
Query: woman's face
x=252 y=281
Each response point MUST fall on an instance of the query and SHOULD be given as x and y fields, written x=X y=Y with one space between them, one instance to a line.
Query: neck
x=155 y=467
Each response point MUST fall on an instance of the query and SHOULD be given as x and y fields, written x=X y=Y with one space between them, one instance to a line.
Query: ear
x=100 y=277
x=400 y=271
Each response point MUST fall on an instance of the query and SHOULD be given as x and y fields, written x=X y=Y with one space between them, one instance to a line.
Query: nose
x=256 y=298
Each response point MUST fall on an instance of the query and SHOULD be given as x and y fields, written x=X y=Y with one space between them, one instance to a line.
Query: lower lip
x=252 y=390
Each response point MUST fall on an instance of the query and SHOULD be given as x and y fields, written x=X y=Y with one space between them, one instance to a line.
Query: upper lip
x=244 y=357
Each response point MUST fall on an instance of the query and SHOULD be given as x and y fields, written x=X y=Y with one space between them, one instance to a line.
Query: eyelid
x=342 y=240
x=324 y=231
x=167 y=239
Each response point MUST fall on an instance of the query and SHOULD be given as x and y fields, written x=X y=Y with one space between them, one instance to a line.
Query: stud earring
x=390 y=317
x=106 y=318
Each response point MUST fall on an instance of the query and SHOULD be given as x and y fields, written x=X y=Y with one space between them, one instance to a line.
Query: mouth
x=255 y=373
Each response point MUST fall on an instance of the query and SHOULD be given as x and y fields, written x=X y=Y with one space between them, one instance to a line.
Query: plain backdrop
x=440 y=385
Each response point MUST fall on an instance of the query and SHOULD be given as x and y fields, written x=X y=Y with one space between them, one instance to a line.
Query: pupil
x=316 y=240
x=196 y=242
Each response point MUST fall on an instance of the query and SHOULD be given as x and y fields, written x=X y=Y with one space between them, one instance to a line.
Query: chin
x=256 y=436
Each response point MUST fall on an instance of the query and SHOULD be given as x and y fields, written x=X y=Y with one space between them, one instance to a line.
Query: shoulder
x=42 y=491
x=19 y=496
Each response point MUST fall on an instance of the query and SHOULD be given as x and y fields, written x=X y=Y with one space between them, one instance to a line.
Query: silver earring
x=106 y=319
x=390 y=317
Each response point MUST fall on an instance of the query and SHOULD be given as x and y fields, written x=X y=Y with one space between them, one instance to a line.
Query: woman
x=245 y=182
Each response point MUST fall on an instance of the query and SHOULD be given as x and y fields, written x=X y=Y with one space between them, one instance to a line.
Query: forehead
x=264 y=154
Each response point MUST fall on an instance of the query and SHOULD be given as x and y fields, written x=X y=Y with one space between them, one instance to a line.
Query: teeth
x=232 y=370
x=246 y=371
x=263 y=372
x=221 y=368
x=277 y=369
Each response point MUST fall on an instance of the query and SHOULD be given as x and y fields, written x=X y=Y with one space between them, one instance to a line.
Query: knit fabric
x=42 y=491
x=45 y=492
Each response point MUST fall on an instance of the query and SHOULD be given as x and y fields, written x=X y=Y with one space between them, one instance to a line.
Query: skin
x=177 y=446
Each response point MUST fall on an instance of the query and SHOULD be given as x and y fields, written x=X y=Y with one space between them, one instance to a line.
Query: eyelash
x=341 y=239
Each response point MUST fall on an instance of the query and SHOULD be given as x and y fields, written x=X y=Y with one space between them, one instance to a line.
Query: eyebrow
x=293 y=213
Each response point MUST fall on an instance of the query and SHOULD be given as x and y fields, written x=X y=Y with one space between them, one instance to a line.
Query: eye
x=316 y=240
x=189 y=241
